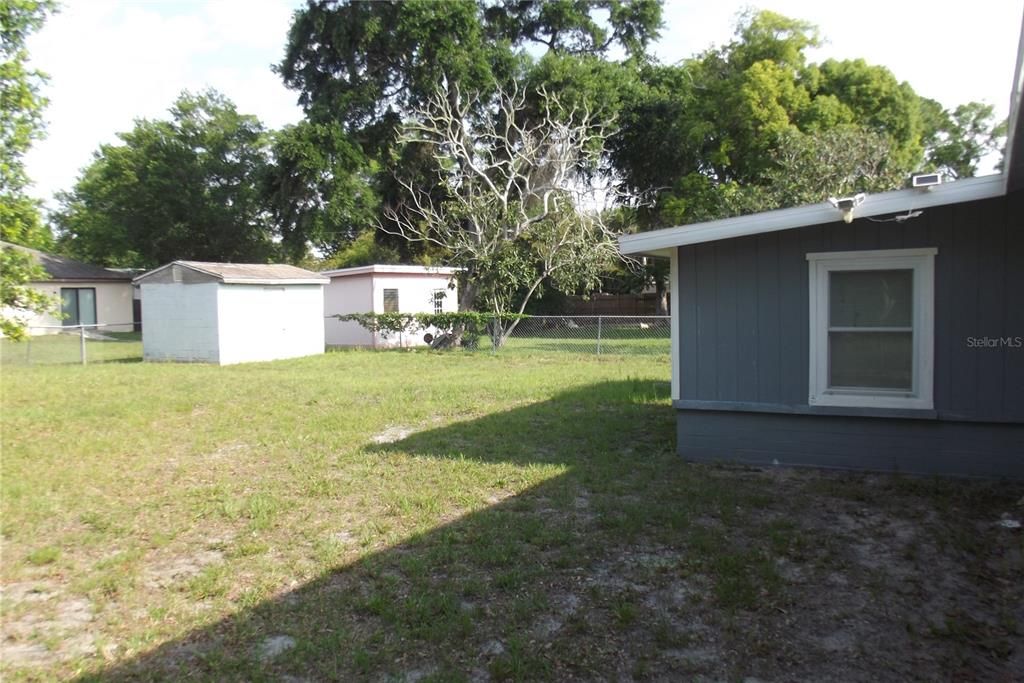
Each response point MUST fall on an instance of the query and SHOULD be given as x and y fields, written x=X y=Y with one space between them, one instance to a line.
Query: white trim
x=392 y=270
x=673 y=322
x=898 y=201
x=869 y=254
x=274 y=281
x=922 y=263
x=1015 y=95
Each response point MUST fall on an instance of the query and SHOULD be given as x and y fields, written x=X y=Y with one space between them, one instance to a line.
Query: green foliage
x=361 y=68
x=753 y=126
x=21 y=123
x=364 y=250
x=465 y=324
x=187 y=188
x=959 y=139
x=319 y=189
x=18 y=299
x=21 y=120
x=367 y=63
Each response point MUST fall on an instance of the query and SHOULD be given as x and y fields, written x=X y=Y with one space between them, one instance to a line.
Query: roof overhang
x=662 y=242
x=312 y=279
x=380 y=269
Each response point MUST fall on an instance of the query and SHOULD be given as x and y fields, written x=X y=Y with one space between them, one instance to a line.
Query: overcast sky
x=112 y=61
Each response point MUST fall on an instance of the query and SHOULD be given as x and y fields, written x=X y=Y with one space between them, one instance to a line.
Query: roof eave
x=897 y=201
x=270 y=281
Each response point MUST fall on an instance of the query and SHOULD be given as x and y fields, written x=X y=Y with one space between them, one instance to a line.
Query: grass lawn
x=454 y=516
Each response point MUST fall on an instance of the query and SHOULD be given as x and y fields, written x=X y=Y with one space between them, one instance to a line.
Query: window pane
x=439 y=300
x=391 y=301
x=871 y=298
x=882 y=360
x=69 y=306
x=87 y=306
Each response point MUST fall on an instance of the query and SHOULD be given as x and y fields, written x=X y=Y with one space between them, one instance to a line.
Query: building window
x=439 y=295
x=78 y=304
x=391 y=301
x=872 y=326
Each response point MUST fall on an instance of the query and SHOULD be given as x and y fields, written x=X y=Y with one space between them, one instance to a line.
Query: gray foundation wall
x=973 y=449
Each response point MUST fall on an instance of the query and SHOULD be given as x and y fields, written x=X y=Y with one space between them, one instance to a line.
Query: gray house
x=894 y=341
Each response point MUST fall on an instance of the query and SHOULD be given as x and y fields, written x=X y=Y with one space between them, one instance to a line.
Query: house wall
x=349 y=294
x=364 y=293
x=113 y=305
x=743 y=329
x=415 y=295
x=268 y=322
x=180 y=322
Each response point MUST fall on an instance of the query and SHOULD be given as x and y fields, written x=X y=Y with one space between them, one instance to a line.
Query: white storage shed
x=231 y=312
x=385 y=289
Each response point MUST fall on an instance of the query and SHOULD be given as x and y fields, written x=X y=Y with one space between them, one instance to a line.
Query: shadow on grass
x=623 y=564
x=556 y=581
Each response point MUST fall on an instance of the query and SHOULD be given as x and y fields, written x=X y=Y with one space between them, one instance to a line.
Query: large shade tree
x=735 y=129
x=366 y=66
x=190 y=187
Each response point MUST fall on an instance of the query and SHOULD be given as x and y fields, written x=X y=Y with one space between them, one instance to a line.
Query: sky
x=113 y=61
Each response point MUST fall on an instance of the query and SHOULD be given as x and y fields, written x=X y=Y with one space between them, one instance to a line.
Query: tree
x=187 y=188
x=363 y=67
x=734 y=129
x=319 y=189
x=18 y=300
x=522 y=198
x=959 y=139
x=21 y=123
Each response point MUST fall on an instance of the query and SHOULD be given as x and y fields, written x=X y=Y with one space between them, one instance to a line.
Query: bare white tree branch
x=517 y=177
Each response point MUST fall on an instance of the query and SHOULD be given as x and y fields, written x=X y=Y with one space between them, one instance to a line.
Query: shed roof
x=63 y=269
x=245 y=273
x=661 y=242
x=391 y=270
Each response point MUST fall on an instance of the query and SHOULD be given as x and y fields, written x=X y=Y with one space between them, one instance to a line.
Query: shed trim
x=391 y=270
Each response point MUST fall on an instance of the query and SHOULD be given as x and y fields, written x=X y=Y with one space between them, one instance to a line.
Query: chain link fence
x=569 y=334
x=73 y=345
x=600 y=334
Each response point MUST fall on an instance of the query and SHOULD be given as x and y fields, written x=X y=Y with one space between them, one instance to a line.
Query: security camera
x=847 y=205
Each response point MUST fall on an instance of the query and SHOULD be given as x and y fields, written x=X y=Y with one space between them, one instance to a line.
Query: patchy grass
x=66 y=349
x=454 y=516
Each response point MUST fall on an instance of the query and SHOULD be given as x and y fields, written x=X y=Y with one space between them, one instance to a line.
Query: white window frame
x=922 y=263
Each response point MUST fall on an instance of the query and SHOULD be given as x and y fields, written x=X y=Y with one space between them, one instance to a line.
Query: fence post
x=599 y=335
x=81 y=342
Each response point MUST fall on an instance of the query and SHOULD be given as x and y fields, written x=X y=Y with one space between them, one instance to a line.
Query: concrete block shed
x=231 y=312
x=384 y=289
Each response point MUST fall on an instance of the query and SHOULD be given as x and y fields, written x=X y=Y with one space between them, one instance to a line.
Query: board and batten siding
x=743 y=362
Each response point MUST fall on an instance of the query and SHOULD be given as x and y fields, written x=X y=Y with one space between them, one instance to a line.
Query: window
x=78 y=304
x=871 y=332
x=439 y=295
x=391 y=301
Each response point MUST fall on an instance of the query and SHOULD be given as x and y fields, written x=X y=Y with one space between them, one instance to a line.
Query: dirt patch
x=51 y=630
x=392 y=434
x=167 y=572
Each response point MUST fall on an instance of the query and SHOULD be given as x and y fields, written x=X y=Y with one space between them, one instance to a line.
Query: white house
x=231 y=312
x=87 y=295
x=384 y=289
